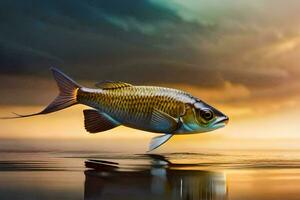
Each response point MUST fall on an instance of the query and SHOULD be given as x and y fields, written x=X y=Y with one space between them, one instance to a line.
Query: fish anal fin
x=158 y=141
x=108 y=85
x=163 y=122
x=95 y=121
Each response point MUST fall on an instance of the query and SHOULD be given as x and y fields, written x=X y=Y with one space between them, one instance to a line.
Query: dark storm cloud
x=200 y=42
x=131 y=40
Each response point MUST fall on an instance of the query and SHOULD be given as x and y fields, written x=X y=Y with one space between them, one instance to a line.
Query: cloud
x=250 y=45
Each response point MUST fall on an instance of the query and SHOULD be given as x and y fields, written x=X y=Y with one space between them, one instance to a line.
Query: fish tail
x=67 y=95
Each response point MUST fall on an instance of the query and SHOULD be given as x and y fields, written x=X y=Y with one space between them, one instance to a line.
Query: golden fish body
x=133 y=106
x=148 y=108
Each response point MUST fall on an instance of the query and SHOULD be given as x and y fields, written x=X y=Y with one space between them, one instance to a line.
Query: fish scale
x=148 y=108
x=135 y=103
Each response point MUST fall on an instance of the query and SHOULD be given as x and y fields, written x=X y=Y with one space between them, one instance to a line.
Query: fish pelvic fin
x=67 y=95
x=158 y=141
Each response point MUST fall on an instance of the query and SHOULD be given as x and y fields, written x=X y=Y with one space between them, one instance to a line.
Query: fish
x=154 y=109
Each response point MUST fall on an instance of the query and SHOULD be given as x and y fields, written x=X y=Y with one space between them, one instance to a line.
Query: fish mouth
x=221 y=121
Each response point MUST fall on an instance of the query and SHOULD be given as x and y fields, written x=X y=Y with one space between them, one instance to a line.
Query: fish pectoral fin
x=107 y=85
x=158 y=141
x=163 y=122
x=95 y=121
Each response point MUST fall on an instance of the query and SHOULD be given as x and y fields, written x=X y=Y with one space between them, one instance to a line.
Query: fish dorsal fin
x=108 y=85
x=95 y=121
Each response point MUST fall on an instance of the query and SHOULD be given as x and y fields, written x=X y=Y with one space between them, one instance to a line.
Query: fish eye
x=206 y=114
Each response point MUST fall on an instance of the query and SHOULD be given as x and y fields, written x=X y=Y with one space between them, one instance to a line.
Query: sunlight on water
x=205 y=176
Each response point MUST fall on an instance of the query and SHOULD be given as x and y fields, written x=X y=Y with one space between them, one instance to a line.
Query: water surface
x=202 y=176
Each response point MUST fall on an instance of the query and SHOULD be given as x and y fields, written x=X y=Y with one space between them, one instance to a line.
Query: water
x=234 y=175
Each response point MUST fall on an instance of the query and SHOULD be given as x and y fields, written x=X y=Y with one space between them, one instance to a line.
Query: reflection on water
x=162 y=180
x=259 y=175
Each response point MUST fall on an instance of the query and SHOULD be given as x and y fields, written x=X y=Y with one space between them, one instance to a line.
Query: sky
x=239 y=56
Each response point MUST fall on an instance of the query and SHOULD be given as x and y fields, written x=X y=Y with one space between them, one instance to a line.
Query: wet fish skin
x=149 y=108
x=133 y=106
